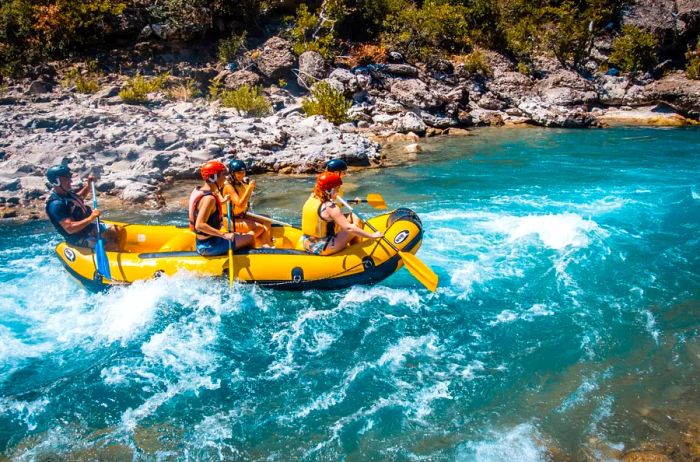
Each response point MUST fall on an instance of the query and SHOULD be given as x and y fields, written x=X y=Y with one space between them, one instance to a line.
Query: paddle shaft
x=94 y=206
x=230 y=244
x=413 y=264
x=100 y=253
x=264 y=218
x=345 y=203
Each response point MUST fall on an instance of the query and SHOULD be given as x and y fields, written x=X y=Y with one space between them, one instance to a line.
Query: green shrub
x=692 y=68
x=421 y=33
x=328 y=102
x=246 y=99
x=215 y=89
x=136 y=89
x=183 y=91
x=475 y=63
x=228 y=48
x=313 y=32
x=87 y=82
x=634 y=50
x=32 y=30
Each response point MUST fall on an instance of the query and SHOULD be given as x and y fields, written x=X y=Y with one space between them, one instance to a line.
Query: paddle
x=264 y=218
x=100 y=253
x=375 y=200
x=414 y=265
x=230 y=246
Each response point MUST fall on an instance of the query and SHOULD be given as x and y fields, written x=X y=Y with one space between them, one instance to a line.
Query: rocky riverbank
x=137 y=150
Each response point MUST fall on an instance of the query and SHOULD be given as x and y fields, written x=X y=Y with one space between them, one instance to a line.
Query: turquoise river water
x=565 y=325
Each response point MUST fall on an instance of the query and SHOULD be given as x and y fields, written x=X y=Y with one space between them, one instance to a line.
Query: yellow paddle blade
x=376 y=201
x=420 y=270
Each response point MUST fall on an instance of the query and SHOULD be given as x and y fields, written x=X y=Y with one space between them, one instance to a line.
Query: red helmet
x=328 y=180
x=211 y=168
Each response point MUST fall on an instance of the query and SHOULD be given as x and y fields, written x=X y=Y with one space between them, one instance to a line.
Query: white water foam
x=393 y=297
x=395 y=355
x=25 y=411
x=522 y=443
x=556 y=232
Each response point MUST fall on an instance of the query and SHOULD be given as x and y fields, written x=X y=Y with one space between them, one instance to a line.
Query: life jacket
x=239 y=189
x=214 y=219
x=76 y=209
x=311 y=222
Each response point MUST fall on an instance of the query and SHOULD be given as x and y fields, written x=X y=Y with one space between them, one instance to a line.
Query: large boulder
x=343 y=79
x=677 y=91
x=566 y=88
x=415 y=94
x=312 y=68
x=410 y=122
x=548 y=115
x=674 y=23
x=511 y=87
x=612 y=90
x=237 y=79
x=276 y=58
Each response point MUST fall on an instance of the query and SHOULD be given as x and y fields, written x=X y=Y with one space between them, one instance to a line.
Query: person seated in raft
x=325 y=229
x=69 y=214
x=206 y=216
x=238 y=188
x=340 y=167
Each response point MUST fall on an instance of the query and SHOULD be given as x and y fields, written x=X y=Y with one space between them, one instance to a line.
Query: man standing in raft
x=238 y=189
x=69 y=214
x=205 y=213
x=321 y=217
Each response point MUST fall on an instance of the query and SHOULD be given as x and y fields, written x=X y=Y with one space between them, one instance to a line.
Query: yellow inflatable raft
x=147 y=252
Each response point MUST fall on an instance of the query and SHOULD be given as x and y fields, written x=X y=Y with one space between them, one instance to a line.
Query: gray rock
x=556 y=116
x=410 y=122
x=388 y=106
x=404 y=70
x=108 y=91
x=511 y=87
x=344 y=80
x=137 y=192
x=33 y=187
x=670 y=21
x=415 y=94
x=384 y=119
x=612 y=90
x=38 y=87
x=677 y=91
x=235 y=80
x=276 y=58
x=312 y=68
x=437 y=121
x=490 y=102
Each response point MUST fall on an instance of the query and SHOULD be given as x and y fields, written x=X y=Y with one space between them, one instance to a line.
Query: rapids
x=565 y=325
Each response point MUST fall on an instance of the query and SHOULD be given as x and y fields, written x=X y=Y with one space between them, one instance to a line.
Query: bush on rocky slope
x=328 y=102
x=634 y=50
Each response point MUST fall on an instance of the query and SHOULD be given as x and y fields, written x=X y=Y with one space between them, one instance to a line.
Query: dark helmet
x=56 y=172
x=336 y=165
x=236 y=166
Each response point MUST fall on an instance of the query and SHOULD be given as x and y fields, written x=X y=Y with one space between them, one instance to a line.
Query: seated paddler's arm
x=335 y=213
x=83 y=192
x=73 y=227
